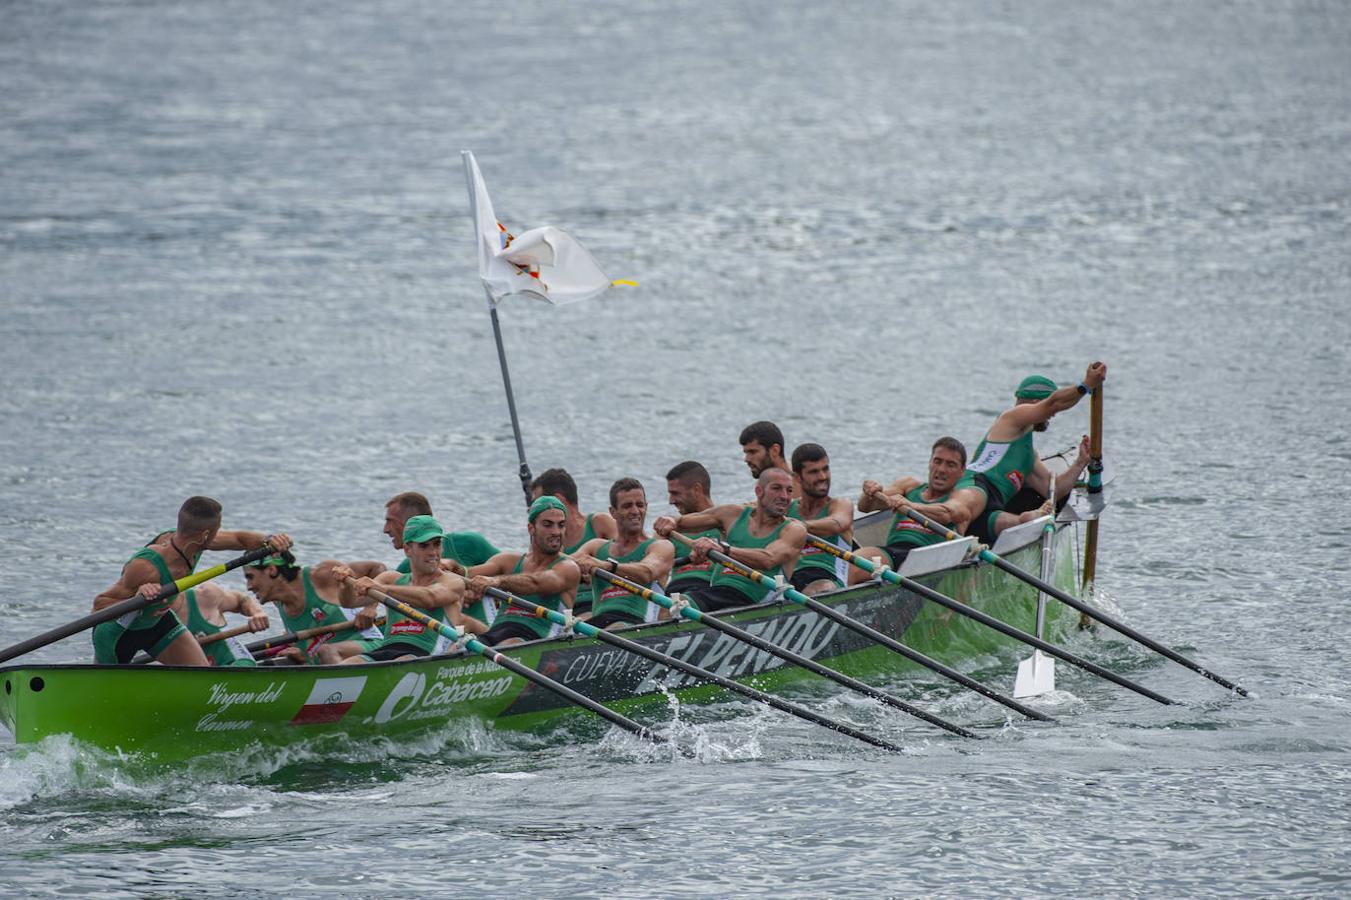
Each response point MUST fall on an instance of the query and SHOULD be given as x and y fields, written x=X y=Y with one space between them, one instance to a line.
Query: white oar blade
x=1036 y=676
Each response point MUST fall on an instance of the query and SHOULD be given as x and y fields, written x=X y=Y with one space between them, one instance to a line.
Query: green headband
x=280 y=562
x=548 y=501
x=1035 y=387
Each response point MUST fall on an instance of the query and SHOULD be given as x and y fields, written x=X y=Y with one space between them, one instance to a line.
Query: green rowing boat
x=163 y=714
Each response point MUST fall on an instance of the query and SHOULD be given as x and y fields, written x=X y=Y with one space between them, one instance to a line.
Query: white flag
x=545 y=263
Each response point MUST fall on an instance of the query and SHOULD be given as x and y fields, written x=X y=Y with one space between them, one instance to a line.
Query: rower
x=429 y=587
x=542 y=575
x=307 y=597
x=1005 y=459
x=157 y=628
x=468 y=548
x=762 y=447
x=688 y=488
x=204 y=609
x=933 y=498
x=580 y=528
x=827 y=517
x=634 y=555
x=757 y=534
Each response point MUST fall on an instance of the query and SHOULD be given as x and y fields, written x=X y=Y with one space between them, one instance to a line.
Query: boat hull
x=169 y=713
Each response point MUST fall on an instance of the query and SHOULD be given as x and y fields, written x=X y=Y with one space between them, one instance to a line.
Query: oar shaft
x=887 y=641
x=291 y=637
x=796 y=659
x=1002 y=627
x=1075 y=603
x=588 y=630
x=224 y=634
x=515 y=667
x=131 y=604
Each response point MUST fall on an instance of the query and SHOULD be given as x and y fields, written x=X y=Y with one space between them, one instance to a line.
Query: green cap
x=548 y=501
x=1035 y=387
x=420 y=529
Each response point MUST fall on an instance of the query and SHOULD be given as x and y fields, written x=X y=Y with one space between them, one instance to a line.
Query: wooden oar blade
x=1036 y=676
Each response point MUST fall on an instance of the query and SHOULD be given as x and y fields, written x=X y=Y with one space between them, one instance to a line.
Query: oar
x=131 y=604
x=588 y=630
x=929 y=593
x=513 y=666
x=276 y=644
x=696 y=615
x=1078 y=604
x=1094 y=492
x=1036 y=674
x=873 y=634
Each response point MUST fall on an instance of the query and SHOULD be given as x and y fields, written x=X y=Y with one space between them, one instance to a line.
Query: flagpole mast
x=497 y=336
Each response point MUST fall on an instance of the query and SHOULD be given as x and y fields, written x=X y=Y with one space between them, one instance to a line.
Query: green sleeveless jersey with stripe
x=1005 y=465
x=542 y=628
x=229 y=652
x=905 y=530
x=402 y=630
x=608 y=597
x=143 y=618
x=815 y=558
x=588 y=532
x=689 y=573
x=739 y=535
x=318 y=612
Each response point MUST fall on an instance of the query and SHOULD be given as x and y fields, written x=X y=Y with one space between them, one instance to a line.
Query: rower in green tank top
x=171 y=556
x=759 y=536
x=308 y=598
x=947 y=475
x=633 y=555
x=1006 y=461
x=541 y=575
x=688 y=488
x=428 y=588
x=206 y=606
x=580 y=528
x=829 y=518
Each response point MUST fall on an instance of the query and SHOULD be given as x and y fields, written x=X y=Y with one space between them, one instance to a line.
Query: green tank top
x=905 y=530
x=1005 y=465
x=690 y=571
x=143 y=618
x=588 y=532
x=739 y=535
x=403 y=630
x=229 y=652
x=608 y=597
x=815 y=558
x=318 y=611
x=542 y=628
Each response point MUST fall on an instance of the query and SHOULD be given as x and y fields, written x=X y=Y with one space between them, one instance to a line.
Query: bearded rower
x=758 y=535
x=558 y=483
x=634 y=555
x=308 y=597
x=827 y=517
x=158 y=629
x=1006 y=460
x=542 y=575
x=428 y=587
x=688 y=489
x=947 y=471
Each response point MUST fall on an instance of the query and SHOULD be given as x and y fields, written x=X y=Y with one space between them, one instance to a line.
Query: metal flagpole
x=497 y=336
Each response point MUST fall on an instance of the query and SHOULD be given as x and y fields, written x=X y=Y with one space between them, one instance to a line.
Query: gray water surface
x=235 y=259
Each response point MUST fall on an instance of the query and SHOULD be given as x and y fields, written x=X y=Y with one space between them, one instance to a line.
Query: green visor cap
x=548 y=501
x=1035 y=387
x=420 y=529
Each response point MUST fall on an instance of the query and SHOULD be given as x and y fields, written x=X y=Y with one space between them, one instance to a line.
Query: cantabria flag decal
x=329 y=700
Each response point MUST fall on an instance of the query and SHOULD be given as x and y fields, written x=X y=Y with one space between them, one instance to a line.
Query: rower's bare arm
x=136 y=573
x=500 y=564
x=782 y=551
x=654 y=566
x=603 y=524
x=368 y=567
x=839 y=519
x=1013 y=423
x=561 y=579
x=250 y=540
x=877 y=497
x=238 y=602
x=446 y=591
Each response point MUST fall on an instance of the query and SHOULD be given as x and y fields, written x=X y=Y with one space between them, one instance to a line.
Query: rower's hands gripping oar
x=1075 y=603
x=134 y=603
x=685 y=609
x=586 y=629
x=511 y=665
x=874 y=635
x=886 y=573
x=273 y=646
